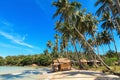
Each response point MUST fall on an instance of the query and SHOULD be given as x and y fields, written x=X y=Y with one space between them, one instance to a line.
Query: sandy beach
x=78 y=75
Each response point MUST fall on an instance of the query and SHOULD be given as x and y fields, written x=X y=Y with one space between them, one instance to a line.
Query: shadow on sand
x=107 y=78
x=83 y=72
x=19 y=75
x=89 y=74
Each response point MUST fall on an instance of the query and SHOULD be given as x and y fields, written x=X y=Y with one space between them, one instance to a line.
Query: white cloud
x=15 y=38
x=6 y=26
x=8 y=46
x=6 y=23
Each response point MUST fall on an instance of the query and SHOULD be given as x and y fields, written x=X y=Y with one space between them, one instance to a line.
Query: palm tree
x=65 y=36
x=49 y=45
x=108 y=6
x=68 y=14
x=108 y=25
x=64 y=45
x=91 y=53
x=46 y=52
x=112 y=7
x=56 y=42
x=61 y=48
x=67 y=9
x=106 y=38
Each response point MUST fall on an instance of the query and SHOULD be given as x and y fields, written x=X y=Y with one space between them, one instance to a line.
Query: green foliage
x=21 y=60
x=1 y=61
x=11 y=60
x=110 y=61
x=111 y=54
x=44 y=60
x=26 y=61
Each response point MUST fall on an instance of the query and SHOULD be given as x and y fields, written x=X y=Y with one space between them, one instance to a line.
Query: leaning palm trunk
x=66 y=54
x=102 y=60
x=114 y=41
x=115 y=48
x=93 y=57
x=109 y=46
x=92 y=49
x=103 y=49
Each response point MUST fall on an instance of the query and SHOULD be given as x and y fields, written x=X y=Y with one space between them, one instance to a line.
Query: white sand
x=78 y=75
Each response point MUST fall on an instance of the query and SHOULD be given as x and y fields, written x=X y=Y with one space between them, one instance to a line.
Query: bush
x=1 y=61
x=110 y=61
x=26 y=61
x=44 y=60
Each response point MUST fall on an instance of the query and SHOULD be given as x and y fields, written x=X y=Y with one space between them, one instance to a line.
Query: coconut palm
x=46 y=52
x=108 y=25
x=106 y=38
x=67 y=9
x=56 y=42
x=49 y=45
x=67 y=12
x=98 y=41
x=65 y=36
x=108 y=6
x=64 y=45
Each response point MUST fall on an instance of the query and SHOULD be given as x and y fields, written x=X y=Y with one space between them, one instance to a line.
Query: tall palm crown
x=64 y=8
x=49 y=44
x=109 y=6
x=106 y=37
x=107 y=23
x=105 y=6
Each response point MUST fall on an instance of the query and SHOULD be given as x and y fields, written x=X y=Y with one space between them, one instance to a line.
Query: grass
x=101 y=68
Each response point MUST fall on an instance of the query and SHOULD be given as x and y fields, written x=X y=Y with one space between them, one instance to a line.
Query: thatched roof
x=62 y=60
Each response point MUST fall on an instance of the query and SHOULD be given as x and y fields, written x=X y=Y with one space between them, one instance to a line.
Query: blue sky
x=26 y=25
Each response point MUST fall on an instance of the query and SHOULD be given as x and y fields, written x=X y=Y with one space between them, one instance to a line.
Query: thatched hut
x=61 y=64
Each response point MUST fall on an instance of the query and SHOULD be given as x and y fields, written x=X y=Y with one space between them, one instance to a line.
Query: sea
x=22 y=73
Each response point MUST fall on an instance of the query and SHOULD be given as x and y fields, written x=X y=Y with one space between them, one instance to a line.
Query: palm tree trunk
x=115 y=46
x=79 y=46
x=114 y=41
x=92 y=49
x=103 y=49
x=93 y=57
x=109 y=46
x=77 y=56
x=67 y=53
x=102 y=60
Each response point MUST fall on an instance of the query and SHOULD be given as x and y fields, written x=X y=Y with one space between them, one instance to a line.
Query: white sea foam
x=16 y=73
x=20 y=73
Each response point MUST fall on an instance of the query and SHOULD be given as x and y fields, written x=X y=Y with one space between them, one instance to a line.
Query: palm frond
x=101 y=10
